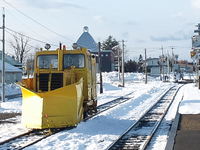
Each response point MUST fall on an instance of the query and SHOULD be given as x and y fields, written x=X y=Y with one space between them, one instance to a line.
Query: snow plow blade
x=62 y=107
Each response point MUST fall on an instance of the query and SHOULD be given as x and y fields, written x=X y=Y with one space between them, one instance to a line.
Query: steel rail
x=131 y=138
x=106 y=106
x=34 y=135
x=100 y=109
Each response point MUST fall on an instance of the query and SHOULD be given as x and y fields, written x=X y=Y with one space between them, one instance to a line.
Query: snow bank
x=191 y=100
x=13 y=105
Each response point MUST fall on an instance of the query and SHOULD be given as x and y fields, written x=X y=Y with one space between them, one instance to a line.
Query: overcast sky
x=141 y=23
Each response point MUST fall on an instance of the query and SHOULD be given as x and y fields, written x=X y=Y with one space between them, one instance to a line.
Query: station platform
x=185 y=130
x=188 y=132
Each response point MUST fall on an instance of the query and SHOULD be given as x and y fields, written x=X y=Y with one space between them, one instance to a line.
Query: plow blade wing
x=58 y=108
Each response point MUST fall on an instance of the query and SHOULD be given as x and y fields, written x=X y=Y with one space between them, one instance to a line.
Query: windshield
x=45 y=61
x=76 y=60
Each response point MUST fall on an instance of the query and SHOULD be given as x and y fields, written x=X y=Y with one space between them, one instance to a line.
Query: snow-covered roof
x=106 y=51
x=10 y=60
x=87 y=41
x=152 y=58
x=10 y=68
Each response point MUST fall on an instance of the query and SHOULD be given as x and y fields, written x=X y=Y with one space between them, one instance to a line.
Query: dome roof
x=87 y=41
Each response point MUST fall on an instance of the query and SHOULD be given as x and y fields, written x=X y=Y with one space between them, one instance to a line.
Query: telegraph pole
x=100 y=73
x=168 y=65
x=162 y=65
x=173 y=60
x=122 y=63
x=3 y=60
x=145 y=55
x=118 y=59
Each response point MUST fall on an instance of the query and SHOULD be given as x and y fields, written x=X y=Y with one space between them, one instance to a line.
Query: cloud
x=131 y=23
x=178 y=15
x=178 y=36
x=140 y=41
x=52 y=4
x=125 y=35
x=195 y=3
x=99 y=19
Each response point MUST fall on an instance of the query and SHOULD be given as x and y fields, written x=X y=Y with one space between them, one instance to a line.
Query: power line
x=18 y=38
x=37 y=22
x=31 y=37
x=44 y=42
x=24 y=23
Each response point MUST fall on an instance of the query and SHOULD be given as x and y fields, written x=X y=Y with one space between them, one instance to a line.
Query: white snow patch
x=191 y=100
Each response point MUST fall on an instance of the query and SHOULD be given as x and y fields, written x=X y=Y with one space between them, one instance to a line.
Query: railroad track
x=110 y=104
x=26 y=139
x=140 y=133
x=29 y=138
x=9 y=117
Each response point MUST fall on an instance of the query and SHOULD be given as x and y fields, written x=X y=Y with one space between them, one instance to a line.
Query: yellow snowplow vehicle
x=62 y=90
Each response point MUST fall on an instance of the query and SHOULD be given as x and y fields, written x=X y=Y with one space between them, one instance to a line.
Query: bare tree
x=29 y=66
x=20 y=47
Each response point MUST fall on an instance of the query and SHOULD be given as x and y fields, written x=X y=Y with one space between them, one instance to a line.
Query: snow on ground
x=11 y=130
x=191 y=100
x=159 y=140
x=13 y=105
x=101 y=131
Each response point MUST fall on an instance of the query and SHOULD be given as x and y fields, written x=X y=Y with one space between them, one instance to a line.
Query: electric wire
x=24 y=23
x=37 y=22
x=30 y=37
x=19 y=38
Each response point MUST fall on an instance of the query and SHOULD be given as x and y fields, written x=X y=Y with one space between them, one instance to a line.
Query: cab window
x=77 y=60
x=46 y=61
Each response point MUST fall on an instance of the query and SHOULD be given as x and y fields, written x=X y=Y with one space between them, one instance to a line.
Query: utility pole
x=3 y=60
x=100 y=73
x=145 y=55
x=162 y=64
x=118 y=53
x=168 y=65
x=172 y=60
x=122 y=63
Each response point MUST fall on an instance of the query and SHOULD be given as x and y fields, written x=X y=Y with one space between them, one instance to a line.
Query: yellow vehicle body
x=59 y=96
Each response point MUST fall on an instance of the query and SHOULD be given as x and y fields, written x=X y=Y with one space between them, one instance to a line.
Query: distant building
x=107 y=56
x=185 y=66
x=12 y=73
x=87 y=41
x=196 y=41
x=13 y=69
x=10 y=60
x=155 y=68
x=107 y=61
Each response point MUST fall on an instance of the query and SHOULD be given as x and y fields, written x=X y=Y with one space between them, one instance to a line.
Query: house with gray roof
x=87 y=41
x=107 y=56
x=13 y=71
x=10 y=60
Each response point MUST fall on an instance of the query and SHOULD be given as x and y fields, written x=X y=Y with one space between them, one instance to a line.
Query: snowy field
x=100 y=131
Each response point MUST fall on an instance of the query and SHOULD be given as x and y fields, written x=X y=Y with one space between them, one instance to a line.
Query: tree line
x=130 y=65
